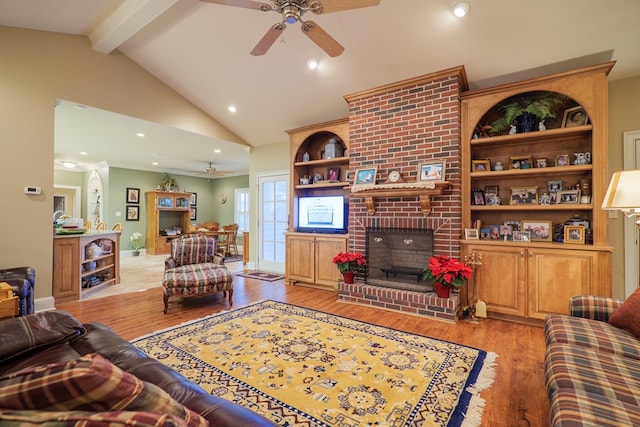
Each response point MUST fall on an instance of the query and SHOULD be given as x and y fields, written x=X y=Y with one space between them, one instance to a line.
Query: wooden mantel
x=401 y=190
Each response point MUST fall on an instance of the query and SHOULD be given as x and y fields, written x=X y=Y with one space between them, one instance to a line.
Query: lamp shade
x=623 y=192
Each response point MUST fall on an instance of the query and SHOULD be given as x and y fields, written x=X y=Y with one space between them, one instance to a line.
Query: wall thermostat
x=32 y=190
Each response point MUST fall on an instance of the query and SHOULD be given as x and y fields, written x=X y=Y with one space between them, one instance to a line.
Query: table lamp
x=623 y=194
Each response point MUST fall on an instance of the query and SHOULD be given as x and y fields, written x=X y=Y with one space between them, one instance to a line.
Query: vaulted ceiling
x=201 y=50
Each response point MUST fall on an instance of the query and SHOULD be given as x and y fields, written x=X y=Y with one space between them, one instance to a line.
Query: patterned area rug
x=300 y=367
x=255 y=274
x=233 y=258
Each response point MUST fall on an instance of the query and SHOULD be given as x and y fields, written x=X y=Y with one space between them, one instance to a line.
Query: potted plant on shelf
x=527 y=111
x=349 y=263
x=446 y=273
x=136 y=242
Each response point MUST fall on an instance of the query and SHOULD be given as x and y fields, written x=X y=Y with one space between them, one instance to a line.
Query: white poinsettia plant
x=136 y=241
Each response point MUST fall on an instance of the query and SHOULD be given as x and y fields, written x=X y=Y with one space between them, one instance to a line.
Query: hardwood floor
x=517 y=397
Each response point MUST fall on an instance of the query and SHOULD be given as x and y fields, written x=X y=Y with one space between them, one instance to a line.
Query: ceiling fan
x=292 y=11
x=211 y=171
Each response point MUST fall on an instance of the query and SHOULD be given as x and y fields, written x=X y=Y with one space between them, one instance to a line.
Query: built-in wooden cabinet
x=309 y=256
x=165 y=210
x=519 y=282
x=310 y=259
x=528 y=279
x=79 y=268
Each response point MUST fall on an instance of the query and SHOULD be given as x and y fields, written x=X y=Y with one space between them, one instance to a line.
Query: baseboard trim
x=45 y=304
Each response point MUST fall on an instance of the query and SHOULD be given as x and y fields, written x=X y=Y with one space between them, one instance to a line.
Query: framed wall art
x=432 y=171
x=521 y=162
x=480 y=165
x=574 y=234
x=133 y=213
x=538 y=230
x=194 y=199
x=193 y=214
x=366 y=175
x=133 y=195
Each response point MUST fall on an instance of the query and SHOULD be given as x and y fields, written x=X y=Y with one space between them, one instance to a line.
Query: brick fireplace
x=399 y=127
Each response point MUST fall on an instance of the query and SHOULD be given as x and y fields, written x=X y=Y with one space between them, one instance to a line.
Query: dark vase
x=441 y=290
x=348 y=276
x=527 y=122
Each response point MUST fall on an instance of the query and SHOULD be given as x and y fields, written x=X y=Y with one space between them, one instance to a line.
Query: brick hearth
x=399 y=127
x=426 y=304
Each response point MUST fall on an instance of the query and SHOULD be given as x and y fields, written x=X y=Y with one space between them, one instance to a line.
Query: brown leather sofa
x=56 y=336
x=22 y=281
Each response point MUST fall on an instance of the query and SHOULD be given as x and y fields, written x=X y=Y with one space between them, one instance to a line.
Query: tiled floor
x=141 y=273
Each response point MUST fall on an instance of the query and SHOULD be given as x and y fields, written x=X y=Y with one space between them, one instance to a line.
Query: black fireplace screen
x=397 y=256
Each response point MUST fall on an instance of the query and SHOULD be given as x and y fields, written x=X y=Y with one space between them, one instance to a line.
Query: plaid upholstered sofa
x=56 y=371
x=194 y=269
x=592 y=363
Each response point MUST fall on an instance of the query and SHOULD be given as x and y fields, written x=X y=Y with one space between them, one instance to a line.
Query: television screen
x=322 y=214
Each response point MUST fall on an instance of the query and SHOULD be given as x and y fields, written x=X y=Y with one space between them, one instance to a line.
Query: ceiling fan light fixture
x=461 y=8
x=290 y=14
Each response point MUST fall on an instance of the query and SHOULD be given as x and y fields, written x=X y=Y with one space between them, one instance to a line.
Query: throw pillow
x=627 y=316
x=91 y=383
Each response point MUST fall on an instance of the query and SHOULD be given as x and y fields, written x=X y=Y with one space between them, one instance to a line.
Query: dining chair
x=228 y=243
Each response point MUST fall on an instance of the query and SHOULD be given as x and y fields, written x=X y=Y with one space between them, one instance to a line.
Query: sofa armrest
x=217 y=259
x=170 y=263
x=593 y=307
x=27 y=273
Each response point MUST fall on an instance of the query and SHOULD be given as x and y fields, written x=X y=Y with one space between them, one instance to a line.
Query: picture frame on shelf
x=542 y=162
x=506 y=232
x=575 y=116
x=366 y=175
x=521 y=236
x=133 y=213
x=481 y=165
x=524 y=196
x=193 y=214
x=432 y=171
x=515 y=225
x=471 y=234
x=574 y=234
x=555 y=186
x=333 y=174
x=494 y=232
x=194 y=199
x=133 y=195
x=562 y=160
x=568 y=197
x=521 y=162
x=484 y=233
x=539 y=230
x=477 y=197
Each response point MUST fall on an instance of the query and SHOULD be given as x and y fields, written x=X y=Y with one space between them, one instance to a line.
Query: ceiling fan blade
x=268 y=39
x=322 y=38
x=242 y=3
x=330 y=6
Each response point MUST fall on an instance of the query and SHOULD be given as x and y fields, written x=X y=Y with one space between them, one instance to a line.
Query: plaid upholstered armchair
x=194 y=269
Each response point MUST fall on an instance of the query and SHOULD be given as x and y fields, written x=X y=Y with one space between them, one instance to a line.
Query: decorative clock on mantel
x=394 y=177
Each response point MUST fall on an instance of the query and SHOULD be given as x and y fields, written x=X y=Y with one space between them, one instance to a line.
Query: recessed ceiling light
x=154 y=163
x=140 y=135
x=312 y=64
x=83 y=153
x=217 y=150
x=69 y=165
x=461 y=8
x=232 y=108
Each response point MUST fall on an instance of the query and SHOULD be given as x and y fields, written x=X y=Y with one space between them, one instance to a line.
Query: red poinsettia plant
x=346 y=261
x=447 y=271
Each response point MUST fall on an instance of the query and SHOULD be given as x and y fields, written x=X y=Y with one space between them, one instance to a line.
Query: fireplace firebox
x=397 y=256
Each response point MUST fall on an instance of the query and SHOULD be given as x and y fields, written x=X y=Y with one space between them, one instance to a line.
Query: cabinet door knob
x=531 y=254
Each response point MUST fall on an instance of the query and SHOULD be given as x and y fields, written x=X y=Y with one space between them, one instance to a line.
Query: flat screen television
x=323 y=214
